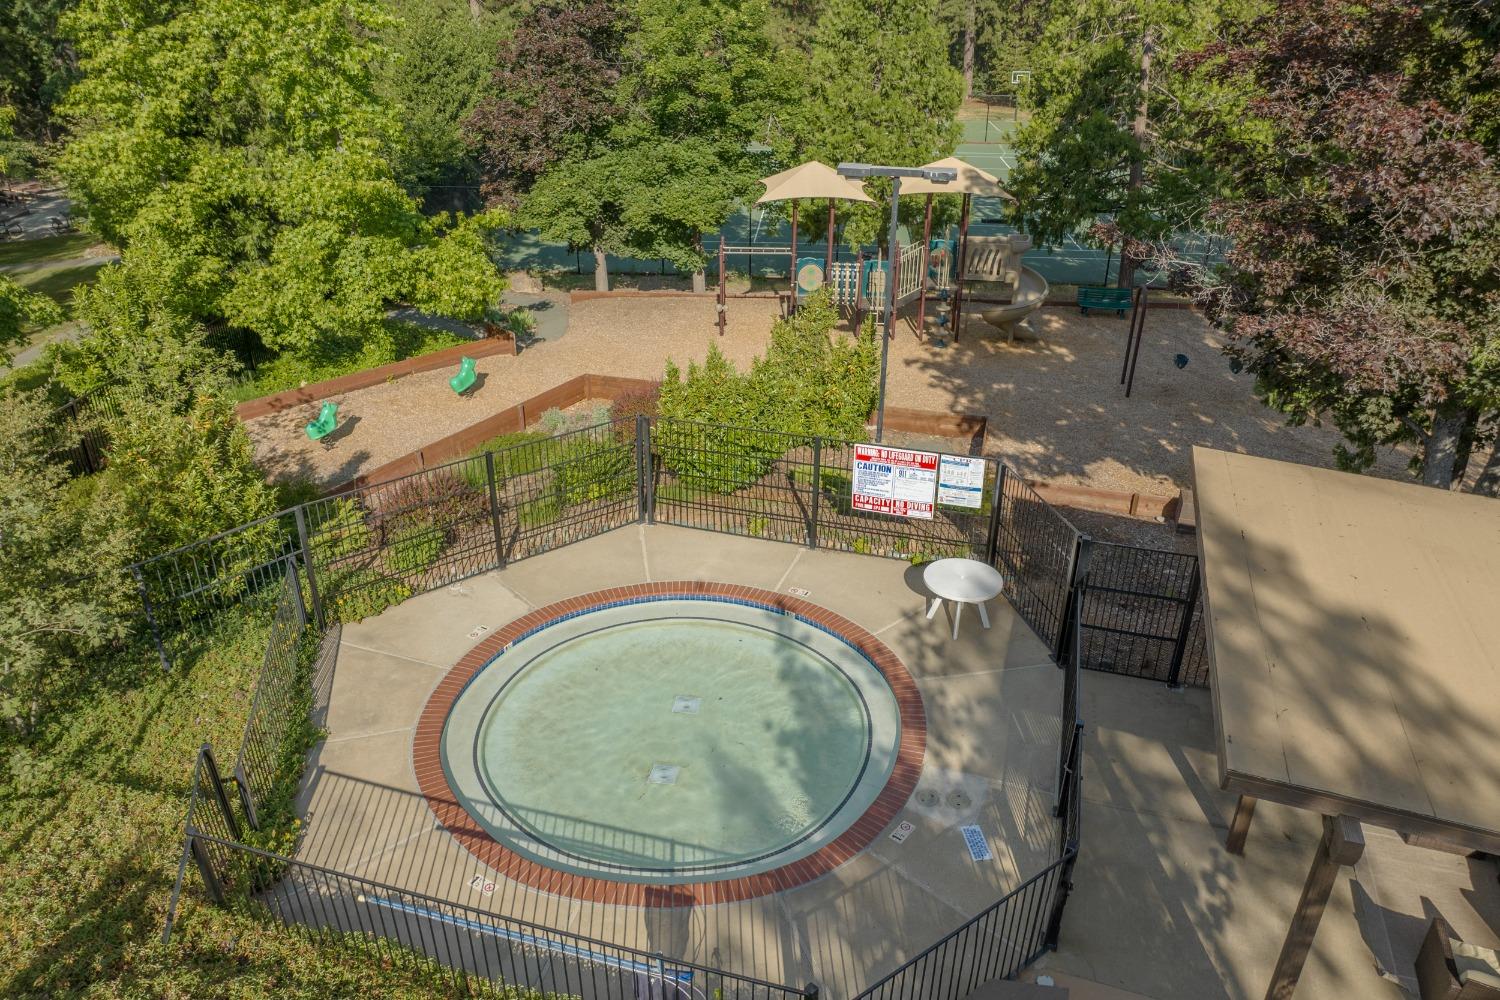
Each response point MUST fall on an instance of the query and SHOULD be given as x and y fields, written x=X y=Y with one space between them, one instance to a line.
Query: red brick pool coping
x=427 y=759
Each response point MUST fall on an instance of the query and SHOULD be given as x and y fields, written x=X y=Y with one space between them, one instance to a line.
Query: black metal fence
x=1015 y=930
x=374 y=546
x=472 y=951
x=78 y=429
x=352 y=554
x=1143 y=615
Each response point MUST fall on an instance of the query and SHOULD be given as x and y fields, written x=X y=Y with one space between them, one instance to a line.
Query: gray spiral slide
x=1030 y=292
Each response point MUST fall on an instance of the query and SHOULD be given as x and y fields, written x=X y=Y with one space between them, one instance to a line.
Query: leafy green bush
x=590 y=468
x=396 y=340
x=414 y=548
x=808 y=383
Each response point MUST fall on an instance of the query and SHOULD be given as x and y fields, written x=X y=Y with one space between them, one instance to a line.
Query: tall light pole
x=938 y=175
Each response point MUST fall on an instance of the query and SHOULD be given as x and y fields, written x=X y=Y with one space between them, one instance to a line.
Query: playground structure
x=998 y=259
x=936 y=268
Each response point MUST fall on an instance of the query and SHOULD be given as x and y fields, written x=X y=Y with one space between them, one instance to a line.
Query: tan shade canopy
x=970 y=180
x=811 y=180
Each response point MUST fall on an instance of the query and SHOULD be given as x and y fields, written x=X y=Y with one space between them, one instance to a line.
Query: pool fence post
x=647 y=477
x=817 y=492
x=489 y=472
x=296 y=585
x=206 y=868
x=1078 y=568
x=811 y=991
x=1174 y=675
x=992 y=535
x=307 y=562
x=140 y=585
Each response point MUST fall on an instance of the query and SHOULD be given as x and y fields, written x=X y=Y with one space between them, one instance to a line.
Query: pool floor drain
x=927 y=797
x=686 y=705
x=663 y=774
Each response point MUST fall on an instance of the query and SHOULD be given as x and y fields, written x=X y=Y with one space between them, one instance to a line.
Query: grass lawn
x=57 y=283
x=91 y=813
x=47 y=249
x=287 y=371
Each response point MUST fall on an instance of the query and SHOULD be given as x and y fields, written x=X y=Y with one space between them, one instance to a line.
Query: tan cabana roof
x=1354 y=637
x=811 y=180
x=970 y=180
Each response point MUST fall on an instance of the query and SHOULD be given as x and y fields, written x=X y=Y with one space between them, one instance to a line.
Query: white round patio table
x=962 y=581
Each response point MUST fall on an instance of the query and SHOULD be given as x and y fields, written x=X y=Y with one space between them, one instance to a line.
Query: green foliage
x=19 y=309
x=435 y=61
x=36 y=69
x=395 y=341
x=181 y=465
x=63 y=594
x=238 y=156
x=1079 y=157
x=699 y=83
x=413 y=548
x=808 y=383
x=589 y=468
x=878 y=88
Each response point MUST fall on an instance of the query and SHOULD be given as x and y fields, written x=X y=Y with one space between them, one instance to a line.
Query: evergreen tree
x=437 y=60
x=878 y=88
x=1115 y=120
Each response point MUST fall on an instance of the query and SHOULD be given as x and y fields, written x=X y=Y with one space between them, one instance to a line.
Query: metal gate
x=1142 y=615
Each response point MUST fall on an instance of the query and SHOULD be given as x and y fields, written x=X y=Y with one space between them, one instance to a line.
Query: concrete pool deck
x=991 y=698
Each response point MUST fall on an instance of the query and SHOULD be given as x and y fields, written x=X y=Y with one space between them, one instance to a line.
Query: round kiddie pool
x=727 y=741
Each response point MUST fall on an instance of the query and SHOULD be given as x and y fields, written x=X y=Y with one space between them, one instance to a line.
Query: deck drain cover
x=959 y=800
x=663 y=774
x=685 y=705
x=927 y=798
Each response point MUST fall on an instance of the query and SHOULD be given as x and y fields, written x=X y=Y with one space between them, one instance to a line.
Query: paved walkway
x=991 y=700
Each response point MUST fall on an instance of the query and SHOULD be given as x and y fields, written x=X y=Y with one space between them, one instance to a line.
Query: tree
x=437 y=60
x=38 y=63
x=239 y=158
x=19 y=309
x=179 y=460
x=551 y=94
x=877 y=87
x=64 y=591
x=1114 y=118
x=1364 y=280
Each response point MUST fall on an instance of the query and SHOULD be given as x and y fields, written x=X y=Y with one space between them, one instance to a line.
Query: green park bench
x=326 y=422
x=1090 y=297
x=461 y=382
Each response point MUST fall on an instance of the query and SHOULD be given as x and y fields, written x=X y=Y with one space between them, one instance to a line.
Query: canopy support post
x=1343 y=844
x=828 y=267
x=1239 y=826
x=926 y=252
x=792 y=270
x=963 y=262
x=721 y=305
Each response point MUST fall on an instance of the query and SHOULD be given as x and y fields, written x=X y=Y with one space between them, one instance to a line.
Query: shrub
x=553 y=421
x=414 y=548
x=809 y=382
x=628 y=407
x=590 y=468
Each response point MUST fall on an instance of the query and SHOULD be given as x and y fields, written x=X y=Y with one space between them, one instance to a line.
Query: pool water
x=672 y=740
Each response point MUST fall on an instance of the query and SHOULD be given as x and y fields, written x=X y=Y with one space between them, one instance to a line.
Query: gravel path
x=1055 y=407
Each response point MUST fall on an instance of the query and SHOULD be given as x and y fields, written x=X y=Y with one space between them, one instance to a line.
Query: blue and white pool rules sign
x=961 y=481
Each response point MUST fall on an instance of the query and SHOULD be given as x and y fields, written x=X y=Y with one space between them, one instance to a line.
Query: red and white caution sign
x=894 y=481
